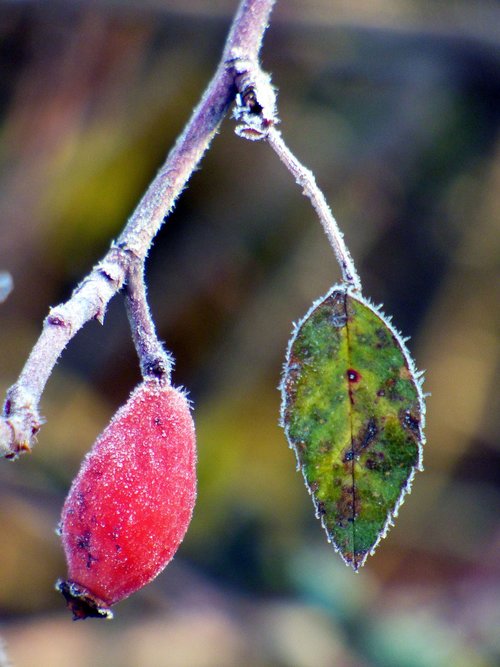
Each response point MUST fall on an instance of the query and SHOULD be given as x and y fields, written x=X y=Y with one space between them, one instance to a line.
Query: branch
x=21 y=419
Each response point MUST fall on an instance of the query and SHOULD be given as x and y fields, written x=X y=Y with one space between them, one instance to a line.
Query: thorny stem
x=21 y=420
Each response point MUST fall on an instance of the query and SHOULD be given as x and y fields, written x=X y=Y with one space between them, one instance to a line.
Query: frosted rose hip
x=131 y=503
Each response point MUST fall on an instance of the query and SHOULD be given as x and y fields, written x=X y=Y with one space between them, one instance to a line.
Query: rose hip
x=131 y=503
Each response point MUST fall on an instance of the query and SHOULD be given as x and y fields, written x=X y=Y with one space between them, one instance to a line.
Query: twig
x=21 y=419
x=256 y=111
x=155 y=362
x=305 y=178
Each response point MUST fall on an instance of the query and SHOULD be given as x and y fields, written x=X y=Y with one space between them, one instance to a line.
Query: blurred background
x=395 y=106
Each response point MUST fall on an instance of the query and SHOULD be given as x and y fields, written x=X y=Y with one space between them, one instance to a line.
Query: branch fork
x=255 y=107
x=123 y=265
x=238 y=78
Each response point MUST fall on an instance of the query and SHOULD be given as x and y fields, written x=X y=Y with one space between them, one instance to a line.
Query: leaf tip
x=355 y=561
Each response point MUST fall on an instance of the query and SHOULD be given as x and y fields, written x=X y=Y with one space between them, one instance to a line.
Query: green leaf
x=353 y=411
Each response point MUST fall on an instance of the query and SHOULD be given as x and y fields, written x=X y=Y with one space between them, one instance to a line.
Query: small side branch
x=21 y=420
x=154 y=361
x=257 y=117
x=305 y=178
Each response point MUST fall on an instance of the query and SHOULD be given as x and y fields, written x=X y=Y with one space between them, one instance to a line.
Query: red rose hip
x=131 y=503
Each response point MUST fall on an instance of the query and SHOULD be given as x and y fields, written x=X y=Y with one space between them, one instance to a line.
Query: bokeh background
x=395 y=106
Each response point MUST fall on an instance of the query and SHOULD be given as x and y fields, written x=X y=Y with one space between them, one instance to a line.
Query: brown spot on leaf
x=353 y=376
x=404 y=373
x=358 y=558
x=362 y=441
x=355 y=558
x=377 y=462
x=325 y=446
x=383 y=339
x=305 y=352
x=301 y=446
x=320 y=508
x=410 y=421
x=348 y=506
x=348 y=456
